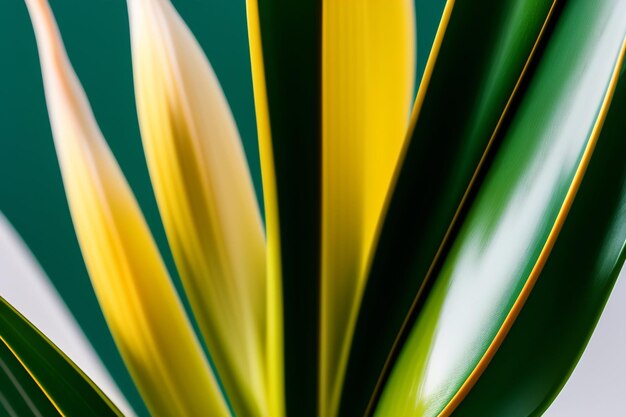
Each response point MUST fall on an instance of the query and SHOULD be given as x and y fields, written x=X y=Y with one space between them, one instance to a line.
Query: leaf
x=26 y=287
x=284 y=44
x=368 y=72
x=67 y=388
x=131 y=282
x=556 y=321
x=205 y=196
x=19 y=393
x=478 y=62
x=516 y=217
x=327 y=163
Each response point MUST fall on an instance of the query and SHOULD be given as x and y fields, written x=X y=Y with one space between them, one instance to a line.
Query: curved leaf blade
x=311 y=174
x=25 y=286
x=286 y=69
x=571 y=291
x=68 y=389
x=527 y=193
x=477 y=64
x=368 y=72
x=205 y=196
x=133 y=287
x=19 y=393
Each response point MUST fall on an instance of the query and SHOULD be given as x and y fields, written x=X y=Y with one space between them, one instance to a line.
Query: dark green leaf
x=484 y=51
x=19 y=393
x=290 y=37
x=518 y=212
x=72 y=393
x=556 y=322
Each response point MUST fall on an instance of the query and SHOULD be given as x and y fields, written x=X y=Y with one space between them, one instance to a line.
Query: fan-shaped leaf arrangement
x=418 y=254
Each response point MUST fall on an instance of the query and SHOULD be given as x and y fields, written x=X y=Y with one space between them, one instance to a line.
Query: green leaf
x=478 y=59
x=556 y=322
x=285 y=40
x=67 y=388
x=19 y=393
x=516 y=217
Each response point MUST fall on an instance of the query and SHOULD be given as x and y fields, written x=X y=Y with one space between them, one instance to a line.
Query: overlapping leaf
x=505 y=130
x=327 y=165
x=368 y=71
x=475 y=66
x=205 y=196
x=38 y=377
x=19 y=393
x=284 y=46
x=25 y=286
x=131 y=282
x=554 y=325
x=516 y=218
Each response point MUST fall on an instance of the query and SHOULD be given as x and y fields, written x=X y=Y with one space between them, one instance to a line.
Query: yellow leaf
x=205 y=195
x=368 y=71
x=132 y=284
x=274 y=343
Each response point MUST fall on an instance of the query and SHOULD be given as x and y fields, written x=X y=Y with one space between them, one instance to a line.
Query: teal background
x=97 y=39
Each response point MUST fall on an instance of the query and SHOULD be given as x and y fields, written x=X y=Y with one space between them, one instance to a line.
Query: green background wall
x=97 y=40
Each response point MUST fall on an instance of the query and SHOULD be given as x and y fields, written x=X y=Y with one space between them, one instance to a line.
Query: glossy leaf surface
x=476 y=63
x=502 y=235
x=526 y=194
x=557 y=320
x=19 y=393
x=52 y=374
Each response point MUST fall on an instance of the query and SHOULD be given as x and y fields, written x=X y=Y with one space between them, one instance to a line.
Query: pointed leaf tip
x=205 y=195
x=138 y=300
